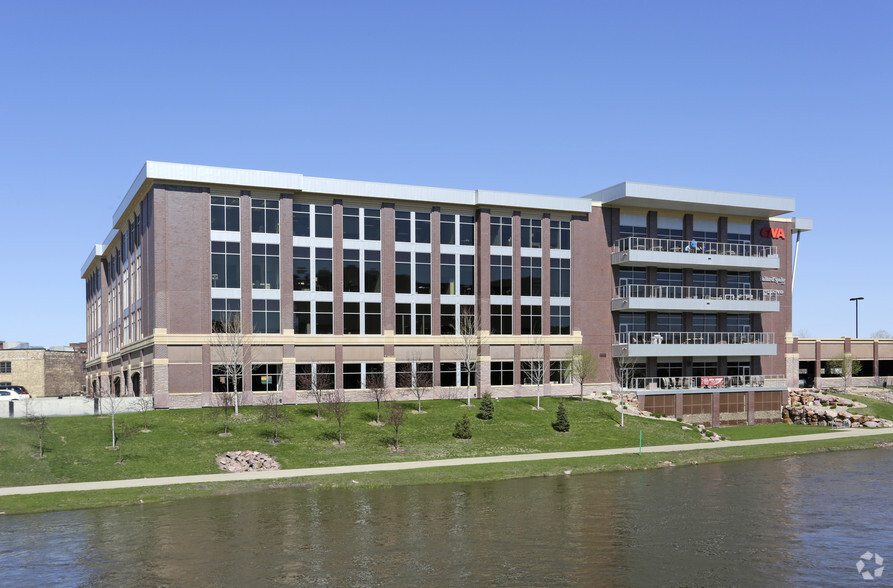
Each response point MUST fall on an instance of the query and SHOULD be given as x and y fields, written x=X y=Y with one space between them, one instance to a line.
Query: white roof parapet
x=97 y=251
x=533 y=201
x=638 y=195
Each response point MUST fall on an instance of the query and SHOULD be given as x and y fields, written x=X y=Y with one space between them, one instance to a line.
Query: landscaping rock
x=246 y=461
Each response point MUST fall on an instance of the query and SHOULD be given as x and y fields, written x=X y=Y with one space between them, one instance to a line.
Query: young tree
x=485 y=412
x=378 y=393
x=846 y=368
x=463 y=428
x=38 y=423
x=224 y=402
x=144 y=404
x=395 y=416
x=273 y=411
x=418 y=383
x=469 y=341
x=125 y=432
x=625 y=372
x=317 y=383
x=533 y=369
x=561 y=424
x=233 y=352
x=337 y=406
x=583 y=365
x=114 y=404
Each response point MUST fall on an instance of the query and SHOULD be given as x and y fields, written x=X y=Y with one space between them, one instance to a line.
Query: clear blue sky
x=787 y=98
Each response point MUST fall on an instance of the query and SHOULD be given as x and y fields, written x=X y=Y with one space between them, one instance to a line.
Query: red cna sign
x=772 y=232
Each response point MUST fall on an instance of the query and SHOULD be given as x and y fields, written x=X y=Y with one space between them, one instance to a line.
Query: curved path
x=414 y=465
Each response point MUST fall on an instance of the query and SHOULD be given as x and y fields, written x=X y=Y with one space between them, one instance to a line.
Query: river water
x=796 y=521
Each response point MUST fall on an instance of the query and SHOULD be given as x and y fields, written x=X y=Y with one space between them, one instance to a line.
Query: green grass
x=743 y=432
x=184 y=442
x=874 y=407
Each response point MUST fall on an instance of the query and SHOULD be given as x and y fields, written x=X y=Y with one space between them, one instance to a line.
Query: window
x=742 y=238
x=501 y=231
x=669 y=228
x=560 y=371
x=323 y=269
x=225 y=316
x=264 y=215
x=224 y=214
x=352 y=318
x=265 y=266
x=449 y=271
x=448 y=319
x=501 y=274
x=449 y=373
x=633 y=225
x=351 y=222
x=403 y=272
x=405 y=320
x=322 y=221
x=403 y=226
x=738 y=279
x=422 y=227
x=266 y=377
x=703 y=323
x=300 y=220
x=560 y=320
x=315 y=376
x=447 y=274
x=410 y=374
x=532 y=373
x=353 y=376
x=447 y=229
x=501 y=319
x=705 y=231
x=324 y=318
x=221 y=381
x=5 y=367
x=423 y=273
x=301 y=269
x=531 y=232
x=466 y=229
x=669 y=322
x=560 y=278
x=403 y=325
x=422 y=319
x=466 y=275
x=371 y=224
x=632 y=276
x=633 y=322
x=366 y=219
x=738 y=323
x=669 y=277
x=531 y=320
x=531 y=276
x=351 y=275
x=265 y=316
x=502 y=373
x=560 y=234
x=362 y=318
x=372 y=271
x=372 y=318
x=302 y=315
x=225 y=264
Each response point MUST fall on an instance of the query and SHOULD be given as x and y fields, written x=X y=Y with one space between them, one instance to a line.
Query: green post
x=640 y=442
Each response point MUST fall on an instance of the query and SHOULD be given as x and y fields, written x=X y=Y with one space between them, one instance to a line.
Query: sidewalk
x=414 y=465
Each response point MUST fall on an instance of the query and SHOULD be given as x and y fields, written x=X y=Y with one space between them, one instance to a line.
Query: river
x=796 y=521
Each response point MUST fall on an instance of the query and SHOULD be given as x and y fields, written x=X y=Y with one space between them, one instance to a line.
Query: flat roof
x=655 y=196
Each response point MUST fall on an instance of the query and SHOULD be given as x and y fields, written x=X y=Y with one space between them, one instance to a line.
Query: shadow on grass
x=307 y=410
x=328 y=435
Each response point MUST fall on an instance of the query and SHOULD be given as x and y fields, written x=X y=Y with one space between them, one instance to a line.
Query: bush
x=561 y=424
x=485 y=413
x=463 y=428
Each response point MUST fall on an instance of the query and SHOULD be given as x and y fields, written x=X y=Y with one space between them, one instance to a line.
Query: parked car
x=13 y=393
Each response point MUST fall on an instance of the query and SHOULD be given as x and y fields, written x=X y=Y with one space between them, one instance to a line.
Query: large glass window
x=531 y=320
x=560 y=234
x=302 y=317
x=447 y=229
x=560 y=277
x=352 y=318
x=738 y=323
x=264 y=215
x=372 y=271
x=466 y=275
x=447 y=273
x=703 y=323
x=224 y=214
x=265 y=266
x=265 y=316
x=403 y=324
x=300 y=220
x=225 y=315
x=322 y=220
x=404 y=223
x=225 y=266
x=466 y=229
x=301 y=269
x=560 y=320
x=323 y=269
x=353 y=376
x=319 y=376
x=531 y=276
x=422 y=319
x=266 y=377
x=372 y=318
x=502 y=373
x=403 y=272
x=738 y=279
x=501 y=319
x=560 y=371
x=449 y=321
x=371 y=224
x=531 y=232
x=403 y=226
x=669 y=322
x=422 y=227
x=423 y=273
x=222 y=381
x=351 y=274
x=351 y=222
x=501 y=231
x=501 y=274
x=362 y=318
x=324 y=318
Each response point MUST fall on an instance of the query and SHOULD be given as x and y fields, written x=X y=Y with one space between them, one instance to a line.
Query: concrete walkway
x=415 y=465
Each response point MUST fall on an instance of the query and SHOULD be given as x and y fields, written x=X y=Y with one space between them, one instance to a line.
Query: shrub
x=485 y=412
x=561 y=424
x=463 y=428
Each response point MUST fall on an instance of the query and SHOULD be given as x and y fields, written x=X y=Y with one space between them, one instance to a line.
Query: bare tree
x=125 y=432
x=144 y=404
x=395 y=416
x=337 y=406
x=417 y=381
x=378 y=393
x=846 y=368
x=533 y=368
x=273 y=411
x=881 y=334
x=583 y=365
x=316 y=382
x=625 y=372
x=114 y=404
x=469 y=341
x=233 y=352
x=38 y=423
x=224 y=402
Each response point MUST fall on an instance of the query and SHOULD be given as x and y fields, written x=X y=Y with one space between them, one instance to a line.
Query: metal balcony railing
x=705 y=382
x=696 y=292
x=692 y=338
x=682 y=246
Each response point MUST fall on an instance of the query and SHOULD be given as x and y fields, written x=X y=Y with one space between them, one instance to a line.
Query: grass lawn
x=184 y=442
x=743 y=432
x=874 y=407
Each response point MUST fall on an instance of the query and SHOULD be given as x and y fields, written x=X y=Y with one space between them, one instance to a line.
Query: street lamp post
x=856 y=300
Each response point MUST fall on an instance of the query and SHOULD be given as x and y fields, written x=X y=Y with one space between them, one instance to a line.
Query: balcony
x=673 y=253
x=692 y=344
x=702 y=384
x=693 y=299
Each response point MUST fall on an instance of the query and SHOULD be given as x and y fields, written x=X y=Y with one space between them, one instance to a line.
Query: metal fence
x=692 y=338
x=706 y=382
x=697 y=292
x=683 y=246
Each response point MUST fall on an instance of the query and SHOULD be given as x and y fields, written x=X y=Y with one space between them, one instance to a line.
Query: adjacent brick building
x=43 y=372
x=676 y=292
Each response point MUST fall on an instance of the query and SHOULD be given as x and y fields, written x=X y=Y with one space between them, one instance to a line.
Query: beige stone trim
x=289 y=360
x=184 y=393
x=161 y=361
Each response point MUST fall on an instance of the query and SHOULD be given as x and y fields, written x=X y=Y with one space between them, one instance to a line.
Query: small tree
x=469 y=343
x=273 y=411
x=125 y=432
x=846 y=368
x=626 y=369
x=583 y=365
x=144 y=404
x=378 y=393
x=317 y=384
x=533 y=369
x=485 y=412
x=232 y=352
x=224 y=402
x=395 y=416
x=337 y=406
x=561 y=424
x=115 y=404
x=463 y=428
x=418 y=383
x=37 y=423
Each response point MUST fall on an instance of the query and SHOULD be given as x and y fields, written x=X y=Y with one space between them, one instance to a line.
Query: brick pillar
x=751 y=407
x=715 y=417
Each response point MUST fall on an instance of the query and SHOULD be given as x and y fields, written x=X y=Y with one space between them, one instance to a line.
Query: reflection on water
x=795 y=521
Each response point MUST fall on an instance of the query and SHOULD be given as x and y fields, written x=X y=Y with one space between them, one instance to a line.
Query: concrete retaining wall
x=67 y=406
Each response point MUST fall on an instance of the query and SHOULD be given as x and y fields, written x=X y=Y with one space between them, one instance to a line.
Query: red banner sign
x=711 y=381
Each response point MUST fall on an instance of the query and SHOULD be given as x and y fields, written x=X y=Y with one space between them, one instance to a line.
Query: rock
x=246 y=461
x=684 y=428
x=871 y=424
